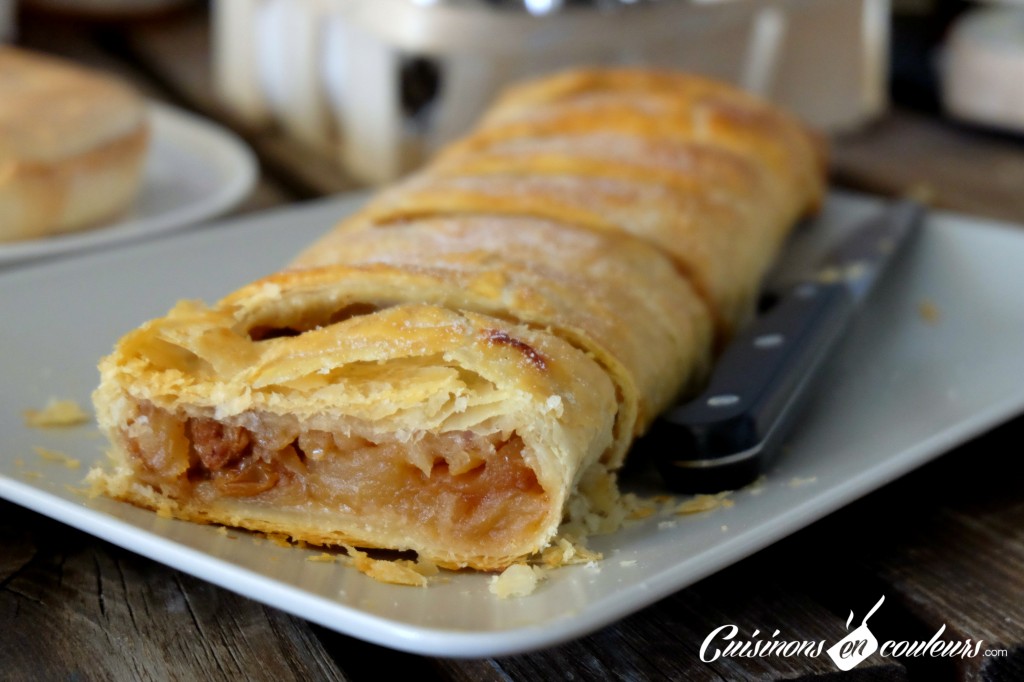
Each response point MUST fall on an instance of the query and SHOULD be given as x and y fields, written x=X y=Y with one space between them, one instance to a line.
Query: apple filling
x=474 y=488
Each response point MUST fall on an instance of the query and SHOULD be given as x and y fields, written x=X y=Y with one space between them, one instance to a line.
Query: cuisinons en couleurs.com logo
x=859 y=644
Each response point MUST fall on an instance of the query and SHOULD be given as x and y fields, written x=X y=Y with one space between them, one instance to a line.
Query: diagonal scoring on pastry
x=469 y=358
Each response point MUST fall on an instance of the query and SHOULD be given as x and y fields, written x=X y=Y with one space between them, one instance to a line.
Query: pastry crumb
x=637 y=507
x=757 y=487
x=278 y=539
x=662 y=525
x=322 y=558
x=392 y=572
x=424 y=567
x=641 y=513
x=31 y=475
x=57 y=413
x=96 y=482
x=565 y=551
x=559 y=553
x=518 y=580
x=57 y=457
x=796 y=481
x=928 y=311
x=705 y=503
x=725 y=529
x=628 y=563
x=164 y=510
x=598 y=508
x=922 y=192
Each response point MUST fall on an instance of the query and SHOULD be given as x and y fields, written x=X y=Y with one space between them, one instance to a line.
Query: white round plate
x=195 y=170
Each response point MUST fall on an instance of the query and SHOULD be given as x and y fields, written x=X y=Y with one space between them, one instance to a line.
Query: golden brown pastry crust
x=718 y=244
x=686 y=106
x=710 y=175
x=482 y=338
x=615 y=298
x=72 y=145
x=407 y=369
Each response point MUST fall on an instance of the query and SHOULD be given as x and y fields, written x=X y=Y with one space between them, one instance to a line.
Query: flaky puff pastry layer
x=391 y=376
x=613 y=297
x=443 y=370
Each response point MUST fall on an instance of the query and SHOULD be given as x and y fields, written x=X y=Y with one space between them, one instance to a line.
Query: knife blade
x=724 y=438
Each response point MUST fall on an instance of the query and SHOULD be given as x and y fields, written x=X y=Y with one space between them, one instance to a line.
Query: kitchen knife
x=723 y=439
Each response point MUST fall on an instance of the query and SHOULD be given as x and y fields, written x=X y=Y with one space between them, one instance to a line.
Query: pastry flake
x=57 y=413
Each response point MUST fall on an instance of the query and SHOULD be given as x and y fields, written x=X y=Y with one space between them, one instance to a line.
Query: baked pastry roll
x=614 y=297
x=467 y=360
x=665 y=106
x=72 y=143
x=710 y=175
x=716 y=237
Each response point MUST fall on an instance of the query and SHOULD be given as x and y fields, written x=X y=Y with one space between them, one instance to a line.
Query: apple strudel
x=468 y=359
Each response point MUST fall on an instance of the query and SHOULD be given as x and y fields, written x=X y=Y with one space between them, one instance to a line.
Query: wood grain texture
x=800 y=586
x=961 y=564
x=663 y=641
x=963 y=169
x=944 y=545
x=78 y=608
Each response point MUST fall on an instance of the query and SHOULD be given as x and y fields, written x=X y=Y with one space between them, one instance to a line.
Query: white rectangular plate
x=904 y=388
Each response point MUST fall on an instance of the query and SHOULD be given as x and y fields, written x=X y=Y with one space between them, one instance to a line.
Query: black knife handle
x=721 y=439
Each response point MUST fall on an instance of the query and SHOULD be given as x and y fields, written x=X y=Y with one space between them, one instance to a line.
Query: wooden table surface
x=946 y=543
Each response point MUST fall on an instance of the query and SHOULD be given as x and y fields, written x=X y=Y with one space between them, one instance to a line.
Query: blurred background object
x=105 y=9
x=983 y=67
x=6 y=20
x=331 y=99
x=919 y=29
x=383 y=83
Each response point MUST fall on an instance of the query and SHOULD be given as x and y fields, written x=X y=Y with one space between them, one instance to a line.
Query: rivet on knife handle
x=716 y=441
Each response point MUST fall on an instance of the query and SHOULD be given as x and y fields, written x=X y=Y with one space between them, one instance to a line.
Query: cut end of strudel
x=454 y=434
x=455 y=368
